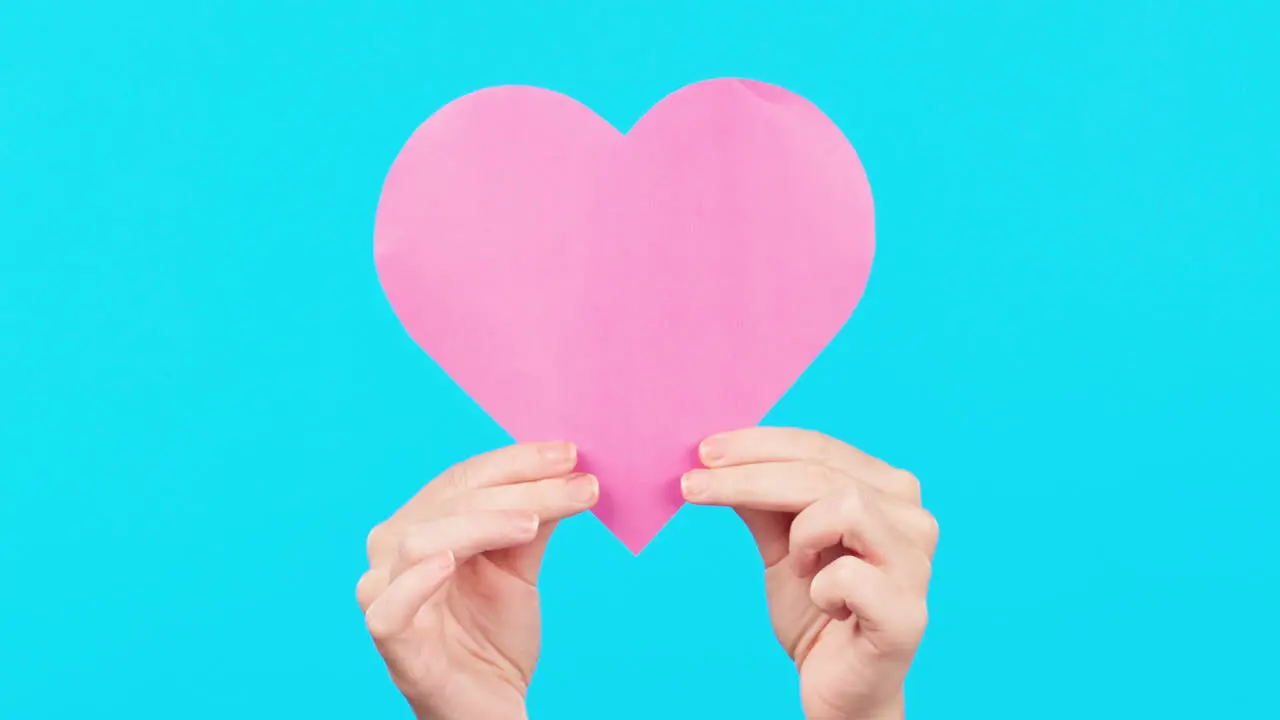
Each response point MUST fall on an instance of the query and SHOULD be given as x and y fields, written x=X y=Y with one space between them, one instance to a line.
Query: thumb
x=525 y=561
x=771 y=530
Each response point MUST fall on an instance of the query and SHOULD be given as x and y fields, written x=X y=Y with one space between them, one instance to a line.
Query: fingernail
x=558 y=452
x=444 y=562
x=693 y=484
x=712 y=449
x=584 y=488
x=525 y=522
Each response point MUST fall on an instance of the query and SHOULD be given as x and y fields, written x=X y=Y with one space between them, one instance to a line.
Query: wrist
x=503 y=713
x=521 y=715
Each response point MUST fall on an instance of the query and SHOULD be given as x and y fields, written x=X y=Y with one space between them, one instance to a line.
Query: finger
x=765 y=496
x=513 y=464
x=525 y=561
x=917 y=524
x=551 y=499
x=771 y=444
x=858 y=521
x=777 y=444
x=773 y=486
x=850 y=586
x=370 y=586
x=393 y=612
x=847 y=520
x=465 y=536
x=770 y=531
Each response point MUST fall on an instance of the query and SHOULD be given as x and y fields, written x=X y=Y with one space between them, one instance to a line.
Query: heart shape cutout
x=632 y=293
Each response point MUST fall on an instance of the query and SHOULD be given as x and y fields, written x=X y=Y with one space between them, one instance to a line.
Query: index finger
x=786 y=487
x=525 y=462
x=513 y=464
x=779 y=444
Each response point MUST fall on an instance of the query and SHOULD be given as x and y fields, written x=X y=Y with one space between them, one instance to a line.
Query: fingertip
x=389 y=614
x=369 y=587
x=694 y=484
x=525 y=522
x=444 y=563
x=712 y=450
x=584 y=489
x=559 y=454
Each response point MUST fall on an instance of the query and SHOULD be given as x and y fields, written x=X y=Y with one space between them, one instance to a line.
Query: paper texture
x=633 y=294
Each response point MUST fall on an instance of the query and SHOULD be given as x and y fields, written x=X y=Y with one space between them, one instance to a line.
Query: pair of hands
x=451 y=596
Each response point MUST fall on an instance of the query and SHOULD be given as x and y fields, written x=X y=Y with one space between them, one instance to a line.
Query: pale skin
x=451 y=597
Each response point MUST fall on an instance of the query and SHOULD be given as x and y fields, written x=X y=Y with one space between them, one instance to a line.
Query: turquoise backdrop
x=1070 y=335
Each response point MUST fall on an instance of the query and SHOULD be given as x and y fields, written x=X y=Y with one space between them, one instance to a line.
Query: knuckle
x=410 y=548
x=378 y=540
x=916 y=621
x=820 y=447
x=906 y=483
x=462 y=475
x=365 y=591
x=851 y=505
x=447 y=507
x=819 y=474
x=929 y=528
x=926 y=577
x=378 y=629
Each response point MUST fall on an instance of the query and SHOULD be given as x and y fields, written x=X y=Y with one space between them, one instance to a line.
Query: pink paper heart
x=632 y=293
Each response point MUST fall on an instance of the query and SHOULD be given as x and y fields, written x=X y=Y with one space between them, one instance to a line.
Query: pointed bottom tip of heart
x=635 y=516
x=635 y=540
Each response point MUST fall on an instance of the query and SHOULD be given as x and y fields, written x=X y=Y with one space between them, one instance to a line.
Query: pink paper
x=633 y=294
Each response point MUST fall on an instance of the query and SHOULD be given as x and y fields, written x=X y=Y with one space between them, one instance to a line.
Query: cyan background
x=1070 y=335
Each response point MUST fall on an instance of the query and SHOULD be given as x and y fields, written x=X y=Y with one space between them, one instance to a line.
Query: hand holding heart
x=635 y=293
x=847 y=550
x=451 y=595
